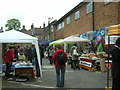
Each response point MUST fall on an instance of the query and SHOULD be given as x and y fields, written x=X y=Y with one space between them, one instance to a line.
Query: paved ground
x=74 y=79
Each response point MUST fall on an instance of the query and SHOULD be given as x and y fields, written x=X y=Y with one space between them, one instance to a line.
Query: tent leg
x=108 y=61
x=38 y=56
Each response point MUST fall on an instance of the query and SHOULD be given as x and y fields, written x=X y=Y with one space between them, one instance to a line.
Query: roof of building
x=37 y=31
x=71 y=11
x=1 y=30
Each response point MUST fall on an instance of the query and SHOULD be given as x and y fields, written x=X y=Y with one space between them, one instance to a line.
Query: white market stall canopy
x=14 y=36
x=71 y=39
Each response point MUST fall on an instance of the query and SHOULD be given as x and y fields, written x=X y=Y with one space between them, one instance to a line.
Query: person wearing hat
x=75 y=55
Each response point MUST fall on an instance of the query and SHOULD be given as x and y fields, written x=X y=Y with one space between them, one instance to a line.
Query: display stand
x=24 y=70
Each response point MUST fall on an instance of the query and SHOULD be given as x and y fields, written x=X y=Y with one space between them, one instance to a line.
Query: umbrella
x=43 y=42
x=50 y=41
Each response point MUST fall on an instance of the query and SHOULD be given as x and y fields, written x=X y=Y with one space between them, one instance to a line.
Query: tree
x=13 y=24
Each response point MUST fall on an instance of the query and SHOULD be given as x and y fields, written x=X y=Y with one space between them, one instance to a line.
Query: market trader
x=8 y=58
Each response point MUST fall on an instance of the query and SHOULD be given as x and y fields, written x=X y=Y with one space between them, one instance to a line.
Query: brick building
x=36 y=32
x=87 y=16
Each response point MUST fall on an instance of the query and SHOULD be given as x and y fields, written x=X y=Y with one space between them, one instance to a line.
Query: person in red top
x=8 y=58
x=60 y=69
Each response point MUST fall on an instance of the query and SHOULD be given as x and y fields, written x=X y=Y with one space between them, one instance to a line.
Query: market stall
x=21 y=68
x=14 y=36
x=72 y=39
x=94 y=62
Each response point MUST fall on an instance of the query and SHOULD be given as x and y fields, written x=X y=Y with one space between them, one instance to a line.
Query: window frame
x=89 y=7
x=60 y=26
x=77 y=15
x=68 y=20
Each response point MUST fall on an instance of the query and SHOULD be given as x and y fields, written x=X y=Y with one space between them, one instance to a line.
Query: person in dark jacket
x=41 y=54
x=8 y=58
x=116 y=65
x=16 y=53
x=31 y=53
x=60 y=69
x=51 y=51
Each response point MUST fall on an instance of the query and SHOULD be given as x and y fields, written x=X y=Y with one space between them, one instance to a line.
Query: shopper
x=51 y=51
x=75 y=55
x=8 y=58
x=41 y=54
x=116 y=65
x=60 y=68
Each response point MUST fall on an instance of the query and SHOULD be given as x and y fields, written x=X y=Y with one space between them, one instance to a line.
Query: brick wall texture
x=104 y=16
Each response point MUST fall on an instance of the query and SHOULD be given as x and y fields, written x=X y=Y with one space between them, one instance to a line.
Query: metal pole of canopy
x=108 y=61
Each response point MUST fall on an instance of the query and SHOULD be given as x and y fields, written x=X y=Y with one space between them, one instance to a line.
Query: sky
x=34 y=11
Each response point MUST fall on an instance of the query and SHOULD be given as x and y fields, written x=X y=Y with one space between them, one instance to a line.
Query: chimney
x=1 y=29
x=32 y=29
x=23 y=26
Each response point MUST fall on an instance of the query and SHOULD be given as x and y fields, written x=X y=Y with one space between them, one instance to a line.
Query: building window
x=89 y=8
x=77 y=15
x=52 y=28
x=107 y=1
x=60 y=26
x=68 y=20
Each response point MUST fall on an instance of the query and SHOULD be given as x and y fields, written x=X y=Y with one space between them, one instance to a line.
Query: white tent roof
x=73 y=39
x=16 y=37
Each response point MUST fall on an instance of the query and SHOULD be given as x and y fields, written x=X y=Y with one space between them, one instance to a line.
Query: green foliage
x=13 y=24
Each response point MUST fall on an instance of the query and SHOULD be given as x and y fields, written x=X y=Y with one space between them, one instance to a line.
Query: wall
x=79 y=26
x=104 y=16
